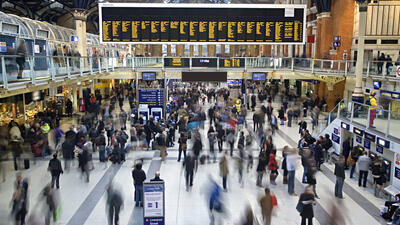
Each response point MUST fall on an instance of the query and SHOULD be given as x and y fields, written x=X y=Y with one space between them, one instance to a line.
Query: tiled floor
x=182 y=207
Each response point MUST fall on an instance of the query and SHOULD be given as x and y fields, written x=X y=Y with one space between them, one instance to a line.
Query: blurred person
x=291 y=164
x=364 y=163
x=55 y=169
x=284 y=166
x=215 y=204
x=189 y=169
x=68 y=151
x=340 y=176
x=307 y=201
x=212 y=138
x=266 y=204
x=51 y=204
x=261 y=167
x=182 y=146
x=248 y=216
x=83 y=158
x=346 y=148
x=337 y=215
x=273 y=167
x=139 y=176
x=311 y=172
x=224 y=170
x=249 y=142
x=115 y=203
x=327 y=147
x=20 y=200
x=353 y=158
x=230 y=138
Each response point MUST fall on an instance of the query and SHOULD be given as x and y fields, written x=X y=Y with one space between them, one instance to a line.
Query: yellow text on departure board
x=202 y=26
x=106 y=30
x=211 y=30
x=164 y=26
x=278 y=28
x=288 y=34
x=135 y=27
x=115 y=28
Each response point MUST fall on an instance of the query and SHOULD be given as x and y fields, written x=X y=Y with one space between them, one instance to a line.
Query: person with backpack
x=371 y=101
x=182 y=146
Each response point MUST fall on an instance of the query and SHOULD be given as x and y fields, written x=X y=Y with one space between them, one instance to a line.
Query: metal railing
x=33 y=69
x=375 y=118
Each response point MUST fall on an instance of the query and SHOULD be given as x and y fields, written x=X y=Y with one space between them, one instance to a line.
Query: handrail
x=41 y=67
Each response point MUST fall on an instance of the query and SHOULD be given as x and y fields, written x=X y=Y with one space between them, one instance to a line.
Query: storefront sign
x=153 y=210
x=379 y=149
x=367 y=144
x=335 y=138
x=359 y=139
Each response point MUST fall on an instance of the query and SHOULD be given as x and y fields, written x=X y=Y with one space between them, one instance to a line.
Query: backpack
x=368 y=101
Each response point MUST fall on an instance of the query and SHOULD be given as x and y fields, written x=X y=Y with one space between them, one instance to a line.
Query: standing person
x=22 y=53
x=302 y=125
x=253 y=102
x=281 y=115
x=256 y=123
x=266 y=206
x=262 y=164
x=189 y=169
x=363 y=165
x=290 y=115
x=311 y=179
x=139 y=176
x=273 y=167
x=20 y=200
x=291 y=163
x=220 y=136
x=346 y=148
x=114 y=204
x=371 y=101
x=68 y=106
x=123 y=116
x=55 y=171
x=231 y=141
x=307 y=201
x=340 y=176
x=378 y=175
x=284 y=164
x=353 y=158
x=327 y=146
x=381 y=58
x=182 y=146
x=211 y=140
x=224 y=169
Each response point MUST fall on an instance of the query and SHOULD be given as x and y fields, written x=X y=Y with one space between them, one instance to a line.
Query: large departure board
x=188 y=23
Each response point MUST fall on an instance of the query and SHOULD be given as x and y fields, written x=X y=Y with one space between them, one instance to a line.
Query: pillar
x=281 y=51
x=180 y=50
x=290 y=51
x=324 y=35
x=211 y=50
x=92 y=89
x=358 y=94
x=222 y=49
x=80 y=27
x=74 y=99
x=191 y=50
x=169 y=50
x=200 y=50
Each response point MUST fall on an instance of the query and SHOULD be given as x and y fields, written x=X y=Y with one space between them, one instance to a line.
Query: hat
x=372 y=93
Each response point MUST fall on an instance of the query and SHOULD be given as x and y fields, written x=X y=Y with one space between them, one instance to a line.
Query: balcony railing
x=38 y=69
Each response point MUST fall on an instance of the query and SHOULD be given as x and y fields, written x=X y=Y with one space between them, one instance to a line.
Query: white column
x=74 y=99
x=358 y=93
x=290 y=51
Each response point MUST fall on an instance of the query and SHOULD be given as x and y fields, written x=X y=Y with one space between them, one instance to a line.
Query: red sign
x=398 y=71
x=310 y=39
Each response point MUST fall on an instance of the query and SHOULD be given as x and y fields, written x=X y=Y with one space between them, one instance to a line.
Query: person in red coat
x=273 y=166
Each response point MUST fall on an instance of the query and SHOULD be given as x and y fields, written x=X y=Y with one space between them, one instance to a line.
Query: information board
x=188 y=23
x=232 y=63
x=151 y=97
x=177 y=62
x=153 y=208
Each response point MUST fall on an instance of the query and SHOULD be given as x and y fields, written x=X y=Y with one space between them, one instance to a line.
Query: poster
x=153 y=211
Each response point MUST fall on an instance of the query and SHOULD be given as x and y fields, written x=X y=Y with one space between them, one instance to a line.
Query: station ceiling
x=52 y=10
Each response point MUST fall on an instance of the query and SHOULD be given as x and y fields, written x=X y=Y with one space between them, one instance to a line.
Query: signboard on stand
x=153 y=98
x=154 y=203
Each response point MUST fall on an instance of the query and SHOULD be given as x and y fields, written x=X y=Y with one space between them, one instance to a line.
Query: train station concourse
x=179 y=112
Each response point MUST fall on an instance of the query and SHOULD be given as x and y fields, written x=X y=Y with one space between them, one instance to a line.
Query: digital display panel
x=222 y=23
x=148 y=75
x=204 y=62
x=232 y=63
x=204 y=76
x=259 y=76
x=369 y=136
x=358 y=131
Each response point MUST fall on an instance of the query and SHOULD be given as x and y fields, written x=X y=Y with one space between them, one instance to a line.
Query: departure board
x=188 y=23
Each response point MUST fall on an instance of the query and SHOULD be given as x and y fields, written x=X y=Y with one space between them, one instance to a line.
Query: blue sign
x=336 y=38
x=367 y=143
x=335 y=138
x=3 y=47
x=74 y=38
x=154 y=206
x=359 y=139
x=151 y=97
x=148 y=75
x=397 y=172
x=379 y=149
x=335 y=130
x=259 y=76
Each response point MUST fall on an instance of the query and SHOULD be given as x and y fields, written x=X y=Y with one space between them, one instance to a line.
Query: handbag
x=299 y=207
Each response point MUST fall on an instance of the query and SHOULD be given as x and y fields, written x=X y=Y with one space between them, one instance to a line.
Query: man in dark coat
x=114 y=205
x=346 y=151
x=55 y=170
x=68 y=152
x=189 y=168
x=139 y=176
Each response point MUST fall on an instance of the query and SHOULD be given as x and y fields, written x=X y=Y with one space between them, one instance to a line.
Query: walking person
x=139 y=176
x=114 y=204
x=378 y=175
x=224 y=170
x=266 y=204
x=273 y=167
x=262 y=164
x=55 y=171
x=340 y=176
x=291 y=164
x=20 y=200
x=364 y=163
x=211 y=140
x=307 y=202
x=189 y=170
x=182 y=146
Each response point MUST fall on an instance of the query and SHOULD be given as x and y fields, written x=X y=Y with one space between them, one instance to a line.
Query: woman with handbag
x=305 y=206
x=273 y=167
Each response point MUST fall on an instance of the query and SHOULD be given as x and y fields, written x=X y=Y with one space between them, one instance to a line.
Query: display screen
x=259 y=76
x=204 y=62
x=358 y=131
x=232 y=63
x=234 y=82
x=377 y=84
x=369 y=136
x=223 y=23
x=176 y=62
x=204 y=76
x=149 y=75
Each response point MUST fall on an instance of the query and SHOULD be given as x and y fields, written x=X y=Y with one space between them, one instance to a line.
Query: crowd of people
x=111 y=132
